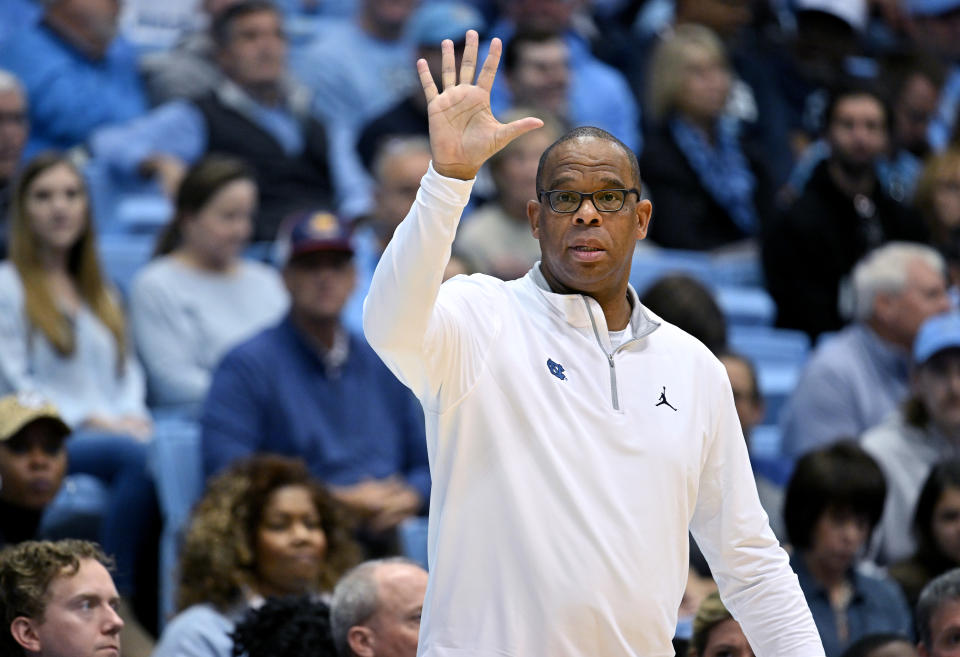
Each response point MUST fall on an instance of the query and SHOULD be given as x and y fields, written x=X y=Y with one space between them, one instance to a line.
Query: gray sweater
x=184 y=320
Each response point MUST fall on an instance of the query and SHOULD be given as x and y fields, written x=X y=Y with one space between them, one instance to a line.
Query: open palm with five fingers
x=463 y=131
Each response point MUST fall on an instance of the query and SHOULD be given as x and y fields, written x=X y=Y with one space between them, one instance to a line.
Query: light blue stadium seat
x=412 y=533
x=126 y=206
x=778 y=355
x=649 y=265
x=746 y=306
x=178 y=471
x=122 y=256
x=77 y=510
x=770 y=345
x=766 y=457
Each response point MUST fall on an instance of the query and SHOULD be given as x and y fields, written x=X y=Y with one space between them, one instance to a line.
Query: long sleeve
x=71 y=95
x=418 y=336
x=166 y=341
x=752 y=571
x=175 y=129
x=232 y=422
x=14 y=355
x=820 y=411
x=131 y=392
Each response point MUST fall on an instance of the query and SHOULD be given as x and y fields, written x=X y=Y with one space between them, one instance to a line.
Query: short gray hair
x=10 y=82
x=355 y=600
x=940 y=591
x=397 y=146
x=884 y=271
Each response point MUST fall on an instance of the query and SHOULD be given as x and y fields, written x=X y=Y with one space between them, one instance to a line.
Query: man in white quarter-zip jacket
x=573 y=436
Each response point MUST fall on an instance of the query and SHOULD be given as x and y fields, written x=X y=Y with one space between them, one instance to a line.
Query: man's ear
x=24 y=632
x=644 y=213
x=361 y=641
x=533 y=215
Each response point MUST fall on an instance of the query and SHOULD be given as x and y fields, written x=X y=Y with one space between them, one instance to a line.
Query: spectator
x=78 y=74
x=310 y=388
x=291 y=626
x=376 y=608
x=936 y=530
x=189 y=69
x=200 y=297
x=915 y=92
x=498 y=237
x=938 y=200
x=842 y=214
x=596 y=93
x=398 y=167
x=361 y=67
x=716 y=633
x=63 y=335
x=708 y=192
x=938 y=616
x=14 y=128
x=356 y=70
x=256 y=114
x=881 y=645
x=834 y=500
x=854 y=380
x=57 y=599
x=427 y=29
x=926 y=430
x=33 y=462
x=933 y=26
x=750 y=410
x=263 y=528
x=686 y=302
x=823 y=52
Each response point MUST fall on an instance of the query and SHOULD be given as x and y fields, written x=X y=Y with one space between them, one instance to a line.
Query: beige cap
x=19 y=410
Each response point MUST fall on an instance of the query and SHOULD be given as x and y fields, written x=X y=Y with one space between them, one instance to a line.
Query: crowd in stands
x=193 y=200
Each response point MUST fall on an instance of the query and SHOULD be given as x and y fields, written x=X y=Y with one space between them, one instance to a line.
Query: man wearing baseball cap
x=33 y=462
x=308 y=387
x=926 y=430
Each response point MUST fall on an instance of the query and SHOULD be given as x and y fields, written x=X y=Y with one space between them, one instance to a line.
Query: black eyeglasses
x=565 y=201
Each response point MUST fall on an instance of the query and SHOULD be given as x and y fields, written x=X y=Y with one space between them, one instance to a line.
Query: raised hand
x=463 y=130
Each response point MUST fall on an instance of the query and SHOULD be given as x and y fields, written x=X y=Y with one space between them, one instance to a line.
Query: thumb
x=510 y=131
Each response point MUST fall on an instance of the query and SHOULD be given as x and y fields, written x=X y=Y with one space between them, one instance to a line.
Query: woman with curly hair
x=264 y=528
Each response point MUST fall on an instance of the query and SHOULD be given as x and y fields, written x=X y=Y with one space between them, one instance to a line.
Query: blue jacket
x=273 y=393
x=877 y=606
x=70 y=94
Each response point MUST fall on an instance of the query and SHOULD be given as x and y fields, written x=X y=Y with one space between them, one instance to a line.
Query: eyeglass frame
x=546 y=192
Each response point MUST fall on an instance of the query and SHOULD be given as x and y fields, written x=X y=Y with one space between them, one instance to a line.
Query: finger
x=514 y=129
x=426 y=80
x=468 y=66
x=490 y=64
x=448 y=68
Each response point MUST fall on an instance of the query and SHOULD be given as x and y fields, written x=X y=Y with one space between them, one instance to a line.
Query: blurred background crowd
x=194 y=195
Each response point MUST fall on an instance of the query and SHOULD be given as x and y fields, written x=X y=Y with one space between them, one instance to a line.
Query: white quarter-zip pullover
x=566 y=472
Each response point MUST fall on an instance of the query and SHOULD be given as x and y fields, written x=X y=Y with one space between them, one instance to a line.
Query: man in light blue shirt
x=78 y=74
x=597 y=94
x=356 y=70
x=859 y=376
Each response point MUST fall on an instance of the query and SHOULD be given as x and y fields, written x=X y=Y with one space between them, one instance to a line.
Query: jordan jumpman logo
x=663 y=399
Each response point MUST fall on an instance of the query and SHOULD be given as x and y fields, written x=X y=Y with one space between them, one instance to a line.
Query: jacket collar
x=577 y=309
